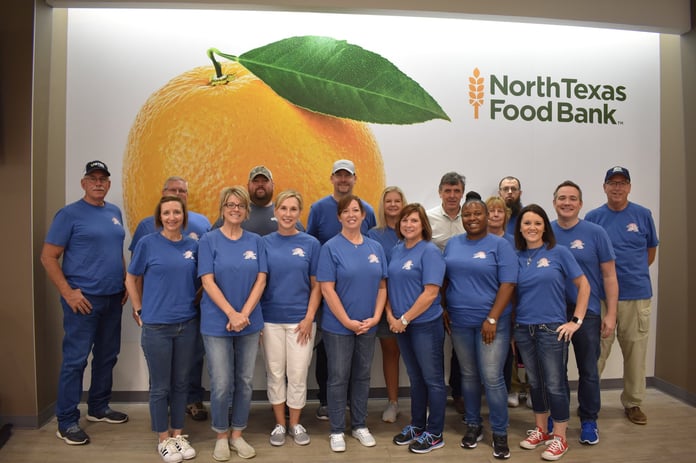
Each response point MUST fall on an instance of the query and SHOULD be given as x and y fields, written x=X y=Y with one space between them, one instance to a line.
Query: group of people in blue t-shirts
x=364 y=279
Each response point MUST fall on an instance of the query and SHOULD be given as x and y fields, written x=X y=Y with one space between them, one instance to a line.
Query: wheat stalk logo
x=476 y=91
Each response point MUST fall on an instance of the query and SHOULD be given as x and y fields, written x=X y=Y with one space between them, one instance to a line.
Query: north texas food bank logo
x=545 y=99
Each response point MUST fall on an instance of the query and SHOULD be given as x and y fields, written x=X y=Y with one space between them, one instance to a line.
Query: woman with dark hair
x=162 y=286
x=392 y=202
x=542 y=332
x=480 y=279
x=352 y=275
x=232 y=267
x=416 y=271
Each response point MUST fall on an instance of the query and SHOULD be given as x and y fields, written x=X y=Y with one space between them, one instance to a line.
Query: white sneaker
x=364 y=436
x=243 y=449
x=184 y=447
x=338 y=442
x=222 y=450
x=391 y=412
x=278 y=435
x=299 y=434
x=168 y=451
x=529 y=401
x=513 y=399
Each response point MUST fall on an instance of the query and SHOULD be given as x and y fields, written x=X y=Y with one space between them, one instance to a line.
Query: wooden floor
x=668 y=437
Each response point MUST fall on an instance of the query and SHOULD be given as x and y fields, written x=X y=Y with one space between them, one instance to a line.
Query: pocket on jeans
x=549 y=328
x=644 y=317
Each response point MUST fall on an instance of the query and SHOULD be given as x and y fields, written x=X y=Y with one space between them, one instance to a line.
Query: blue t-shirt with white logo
x=323 y=223
x=357 y=271
x=235 y=264
x=632 y=232
x=92 y=241
x=386 y=236
x=591 y=247
x=409 y=271
x=292 y=260
x=475 y=270
x=169 y=276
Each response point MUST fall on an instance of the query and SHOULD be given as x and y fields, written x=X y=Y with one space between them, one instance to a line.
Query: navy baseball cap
x=617 y=170
x=96 y=165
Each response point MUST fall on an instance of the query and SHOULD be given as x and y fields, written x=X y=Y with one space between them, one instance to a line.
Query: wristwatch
x=403 y=321
x=576 y=320
x=491 y=320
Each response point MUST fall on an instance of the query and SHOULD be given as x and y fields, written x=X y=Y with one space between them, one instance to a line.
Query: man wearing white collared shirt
x=446 y=219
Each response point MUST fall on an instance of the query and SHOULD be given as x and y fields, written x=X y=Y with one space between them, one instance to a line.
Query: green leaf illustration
x=337 y=78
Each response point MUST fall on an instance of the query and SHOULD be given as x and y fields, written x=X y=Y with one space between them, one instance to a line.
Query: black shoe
x=407 y=435
x=472 y=436
x=426 y=442
x=108 y=416
x=73 y=435
x=197 y=411
x=501 y=451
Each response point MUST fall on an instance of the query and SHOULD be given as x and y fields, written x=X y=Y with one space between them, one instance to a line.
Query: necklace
x=530 y=256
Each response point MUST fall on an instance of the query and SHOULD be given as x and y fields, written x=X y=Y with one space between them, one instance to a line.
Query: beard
x=515 y=207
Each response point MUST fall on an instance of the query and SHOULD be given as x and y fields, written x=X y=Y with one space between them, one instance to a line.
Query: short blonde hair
x=287 y=194
x=496 y=202
x=240 y=193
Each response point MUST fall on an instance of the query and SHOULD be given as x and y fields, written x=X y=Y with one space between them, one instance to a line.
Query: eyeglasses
x=92 y=179
x=509 y=189
x=177 y=190
x=622 y=183
x=233 y=206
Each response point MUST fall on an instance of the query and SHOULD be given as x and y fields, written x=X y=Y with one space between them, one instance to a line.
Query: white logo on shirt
x=115 y=221
x=189 y=255
x=298 y=252
x=373 y=259
x=193 y=235
x=632 y=227
x=408 y=265
x=543 y=262
x=480 y=255
x=577 y=244
x=249 y=255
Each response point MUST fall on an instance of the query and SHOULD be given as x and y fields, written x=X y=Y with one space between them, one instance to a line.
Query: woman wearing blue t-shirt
x=232 y=267
x=541 y=330
x=481 y=277
x=416 y=271
x=392 y=202
x=162 y=286
x=289 y=303
x=352 y=272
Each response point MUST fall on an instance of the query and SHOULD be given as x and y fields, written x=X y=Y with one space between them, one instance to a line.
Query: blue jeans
x=484 y=363
x=422 y=348
x=231 y=361
x=546 y=361
x=98 y=332
x=169 y=351
x=586 y=344
x=195 y=388
x=349 y=361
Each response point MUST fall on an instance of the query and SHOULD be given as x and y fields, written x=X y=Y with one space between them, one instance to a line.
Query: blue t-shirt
x=475 y=270
x=409 y=271
x=92 y=241
x=169 y=276
x=386 y=237
x=357 y=271
x=591 y=247
x=197 y=226
x=235 y=264
x=541 y=284
x=292 y=260
x=632 y=232
x=323 y=219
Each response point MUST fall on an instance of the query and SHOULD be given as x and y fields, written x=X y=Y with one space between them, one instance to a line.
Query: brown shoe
x=636 y=416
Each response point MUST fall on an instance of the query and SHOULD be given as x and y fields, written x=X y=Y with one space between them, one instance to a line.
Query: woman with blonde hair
x=392 y=202
x=289 y=303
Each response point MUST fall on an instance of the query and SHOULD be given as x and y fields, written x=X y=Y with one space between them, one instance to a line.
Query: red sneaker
x=535 y=438
x=556 y=448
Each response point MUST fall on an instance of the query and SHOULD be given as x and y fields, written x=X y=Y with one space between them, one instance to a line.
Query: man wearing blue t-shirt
x=632 y=232
x=592 y=249
x=197 y=226
x=323 y=224
x=88 y=234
